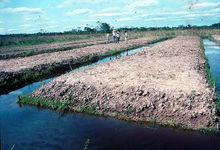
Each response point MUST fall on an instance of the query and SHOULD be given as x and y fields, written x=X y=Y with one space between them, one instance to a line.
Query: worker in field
x=126 y=37
x=114 y=36
x=117 y=37
x=107 y=38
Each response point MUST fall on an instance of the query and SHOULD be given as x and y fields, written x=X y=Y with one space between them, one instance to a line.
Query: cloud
x=25 y=25
x=22 y=10
x=69 y=3
x=4 y=1
x=201 y=5
x=12 y=30
x=79 y=12
x=2 y=30
x=110 y=9
x=156 y=19
x=125 y=19
x=107 y=14
x=135 y=4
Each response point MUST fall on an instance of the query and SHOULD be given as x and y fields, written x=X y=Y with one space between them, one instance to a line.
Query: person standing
x=107 y=38
x=126 y=36
x=118 y=36
x=114 y=36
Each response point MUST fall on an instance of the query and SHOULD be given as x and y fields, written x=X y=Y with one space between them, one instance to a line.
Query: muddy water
x=40 y=129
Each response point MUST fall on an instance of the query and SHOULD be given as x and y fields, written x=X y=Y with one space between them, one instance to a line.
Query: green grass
x=89 y=109
x=65 y=105
x=52 y=104
x=210 y=78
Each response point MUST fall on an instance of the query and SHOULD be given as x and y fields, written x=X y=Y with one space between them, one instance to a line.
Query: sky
x=31 y=16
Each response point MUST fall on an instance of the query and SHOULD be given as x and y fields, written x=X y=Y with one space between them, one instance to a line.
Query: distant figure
x=114 y=36
x=117 y=37
x=107 y=38
x=126 y=36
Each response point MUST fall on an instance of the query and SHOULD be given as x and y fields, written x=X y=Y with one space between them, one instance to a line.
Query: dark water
x=30 y=128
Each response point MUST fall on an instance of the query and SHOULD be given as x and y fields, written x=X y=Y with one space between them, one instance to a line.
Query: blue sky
x=30 y=16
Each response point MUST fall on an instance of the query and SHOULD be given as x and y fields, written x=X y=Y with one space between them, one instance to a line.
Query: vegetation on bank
x=209 y=76
x=68 y=106
x=61 y=106
x=97 y=32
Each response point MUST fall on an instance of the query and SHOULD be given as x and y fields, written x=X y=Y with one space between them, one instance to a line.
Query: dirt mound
x=164 y=84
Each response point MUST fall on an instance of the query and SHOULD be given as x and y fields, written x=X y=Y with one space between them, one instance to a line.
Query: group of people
x=116 y=36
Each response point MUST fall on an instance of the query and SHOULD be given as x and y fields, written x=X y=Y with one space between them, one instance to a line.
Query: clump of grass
x=57 y=105
x=89 y=110
x=52 y=104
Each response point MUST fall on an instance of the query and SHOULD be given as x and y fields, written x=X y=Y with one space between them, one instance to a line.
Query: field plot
x=21 y=70
x=22 y=51
x=164 y=84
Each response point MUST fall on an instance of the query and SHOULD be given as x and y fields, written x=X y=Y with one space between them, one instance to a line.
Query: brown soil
x=18 y=72
x=58 y=57
x=164 y=84
x=22 y=51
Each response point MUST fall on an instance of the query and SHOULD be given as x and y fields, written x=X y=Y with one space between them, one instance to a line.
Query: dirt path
x=164 y=84
x=21 y=70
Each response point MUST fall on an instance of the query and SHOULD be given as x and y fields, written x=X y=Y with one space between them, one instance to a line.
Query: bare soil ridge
x=23 y=51
x=164 y=84
x=22 y=70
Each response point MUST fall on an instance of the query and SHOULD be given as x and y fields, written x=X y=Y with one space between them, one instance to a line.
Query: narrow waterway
x=26 y=128
x=212 y=52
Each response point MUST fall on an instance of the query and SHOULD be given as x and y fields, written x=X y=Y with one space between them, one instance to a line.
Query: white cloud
x=135 y=4
x=22 y=10
x=194 y=15
x=79 y=12
x=111 y=9
x=201 y=5
x=69 y=3
x=25 y=25
x=89 y=20
x=2 y=30
x=107 y=14
x=4 y=1
x=12 y=30
x=155 y=19
x=125 y=19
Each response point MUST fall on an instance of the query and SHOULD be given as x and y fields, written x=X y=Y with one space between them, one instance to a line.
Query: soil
x=23 y=51
x=18 y=72
x=165 y=84
x=58 y=57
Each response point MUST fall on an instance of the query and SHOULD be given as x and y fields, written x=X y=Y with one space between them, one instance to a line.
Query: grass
x=210 y=78
x=89 y=110
x=57 y=105
x=52 y=104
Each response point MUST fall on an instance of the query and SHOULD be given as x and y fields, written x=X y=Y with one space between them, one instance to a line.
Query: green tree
x=104 y=27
